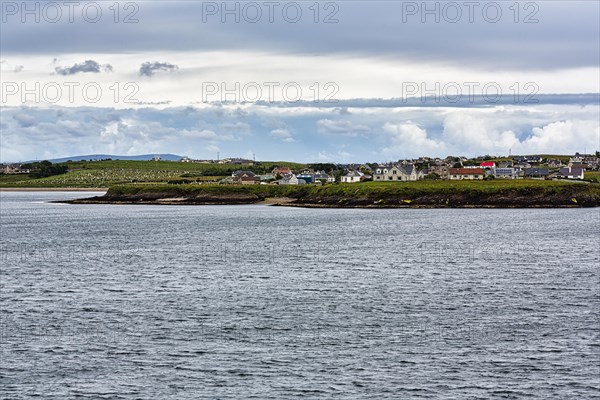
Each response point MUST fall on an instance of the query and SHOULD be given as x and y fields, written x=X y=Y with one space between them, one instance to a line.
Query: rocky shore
x=343 y=196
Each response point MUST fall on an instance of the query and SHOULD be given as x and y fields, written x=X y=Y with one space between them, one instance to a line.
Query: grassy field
x=366 y=189
x=592 y=176
x=111 y=172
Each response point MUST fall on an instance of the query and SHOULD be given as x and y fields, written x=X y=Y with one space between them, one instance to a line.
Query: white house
x=406 y=172
x=506 y=173
x=353 y=177
x=291 y=179
x=571 y=173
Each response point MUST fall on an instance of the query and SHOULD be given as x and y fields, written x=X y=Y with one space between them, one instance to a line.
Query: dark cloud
x=365 y=28
x=86 y=66
x=149 y=68
x=341 y=107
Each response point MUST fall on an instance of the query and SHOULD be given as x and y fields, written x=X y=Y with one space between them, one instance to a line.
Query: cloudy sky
x=305 y=81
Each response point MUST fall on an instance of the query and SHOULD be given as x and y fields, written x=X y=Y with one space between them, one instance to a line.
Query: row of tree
x=44 y=169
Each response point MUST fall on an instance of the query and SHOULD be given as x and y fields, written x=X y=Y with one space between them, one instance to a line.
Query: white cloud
x=339 y=156
x=408 y=140
x=52 y=132
x=284 y=134
x=340 y=127
x=561 y=136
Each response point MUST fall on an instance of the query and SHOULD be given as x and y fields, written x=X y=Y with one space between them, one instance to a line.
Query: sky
x=306 y=81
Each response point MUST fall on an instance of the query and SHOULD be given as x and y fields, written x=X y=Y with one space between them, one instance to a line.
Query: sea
x=267 y=302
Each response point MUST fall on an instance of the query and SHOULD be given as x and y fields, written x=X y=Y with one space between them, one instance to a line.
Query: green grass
x=113 y=172
x=360 y=190
x=592 y=176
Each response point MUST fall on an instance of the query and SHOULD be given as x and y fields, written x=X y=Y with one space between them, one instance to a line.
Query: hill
x=98 y=157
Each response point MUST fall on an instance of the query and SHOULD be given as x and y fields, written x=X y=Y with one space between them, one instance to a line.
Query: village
x=578 y=167
x=425 y=168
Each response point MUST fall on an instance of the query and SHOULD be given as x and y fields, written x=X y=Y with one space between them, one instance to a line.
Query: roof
x=354 y=173
x=571 y=171
x=243 y=174
x=536 y=171
x=465 y=171
x=281 y=169
x=487 y=164
x=406 y=169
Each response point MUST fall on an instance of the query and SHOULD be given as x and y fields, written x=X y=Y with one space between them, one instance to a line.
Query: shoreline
x=51 y=189
x=291 y=203
x=372 y=196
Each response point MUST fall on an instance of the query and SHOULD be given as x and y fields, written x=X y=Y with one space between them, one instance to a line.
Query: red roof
x=487 y=164
x=283 y=170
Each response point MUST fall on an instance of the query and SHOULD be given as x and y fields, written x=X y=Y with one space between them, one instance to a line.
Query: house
x=291 y=179
x=281 y=171
x=577 y=165
x=506 y=173
x=530 y=159
x=577 y=158
x=457 y=174
x=583 y=160
x=10 y=169
x=265 y=177
x=238 y=161
x=307 y=176
x=245 y=177
x=488 y=164
x=441 y=170
x=402 y=172
x=534 y=159
x=353 y=177
x=554 y=163
x=13 y=169
x=520 y=166
x=571 y=173
x=156 y=158
x=590 y=161
x=321 y=175
x=535 y=173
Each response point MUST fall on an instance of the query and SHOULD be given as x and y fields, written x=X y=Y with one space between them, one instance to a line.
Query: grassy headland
x=495 y=193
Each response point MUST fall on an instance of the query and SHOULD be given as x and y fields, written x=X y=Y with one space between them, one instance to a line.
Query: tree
x=322 y=167
x=432 y=176
x=46 y=168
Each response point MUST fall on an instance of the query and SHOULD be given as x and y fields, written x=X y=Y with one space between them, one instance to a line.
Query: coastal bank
x=421 y=194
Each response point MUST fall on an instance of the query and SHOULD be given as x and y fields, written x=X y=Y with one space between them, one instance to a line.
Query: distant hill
x=96 y=157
